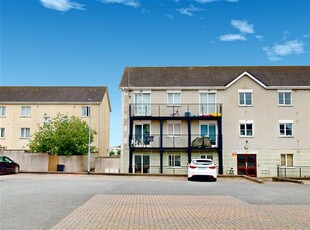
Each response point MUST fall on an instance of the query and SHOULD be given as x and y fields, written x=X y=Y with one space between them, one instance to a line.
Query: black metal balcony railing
x=294 y=171
x=156 y=169
x=174 y=141
x=185 y=110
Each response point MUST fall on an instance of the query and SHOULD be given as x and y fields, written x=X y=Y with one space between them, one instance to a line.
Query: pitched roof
x=213 y=76
x=51 y=94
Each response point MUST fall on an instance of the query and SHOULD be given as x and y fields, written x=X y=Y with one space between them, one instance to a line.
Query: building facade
x=23 y=108
x=251 y=120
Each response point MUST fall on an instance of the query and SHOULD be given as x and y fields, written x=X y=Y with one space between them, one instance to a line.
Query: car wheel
x=189 y=178
x=16 y=169
x=215 y=179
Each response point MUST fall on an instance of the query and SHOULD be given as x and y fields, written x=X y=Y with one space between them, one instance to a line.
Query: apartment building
x=23 y=108
x=251 y=120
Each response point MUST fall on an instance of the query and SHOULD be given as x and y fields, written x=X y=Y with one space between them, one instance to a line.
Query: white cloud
x=232 y=0
x=132 y=3
x=307 y=35
x=276 y=52
x=259 y=37
x=232 y=37
x=61 y=5
x=243 y=26
x=189 y=10
x=170 y=16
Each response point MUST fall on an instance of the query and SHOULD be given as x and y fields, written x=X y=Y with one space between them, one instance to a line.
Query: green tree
x=63 y=135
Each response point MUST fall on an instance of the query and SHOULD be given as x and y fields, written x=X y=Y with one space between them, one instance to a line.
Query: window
x=85 y=111
x=174 y=160
x=25 y=132
x=142 y=104
x=2 y=111
x=46 y=120
x=174 y=129
x=246 y=129
x=204 y=156
x=285 y=98
x=2 y=132
x=286 y=128
x=287 y=160
x=174 y=98
x=25 y=111
x=207 y=103
x=245 y=97
x=142 y=134
x=209 y=130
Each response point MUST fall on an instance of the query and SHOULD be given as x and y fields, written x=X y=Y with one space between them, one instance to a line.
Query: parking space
x=71 y=201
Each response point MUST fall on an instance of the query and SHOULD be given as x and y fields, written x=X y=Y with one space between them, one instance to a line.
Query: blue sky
x=90 y=42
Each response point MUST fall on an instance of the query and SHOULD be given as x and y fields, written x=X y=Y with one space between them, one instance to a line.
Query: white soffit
x=247 y=75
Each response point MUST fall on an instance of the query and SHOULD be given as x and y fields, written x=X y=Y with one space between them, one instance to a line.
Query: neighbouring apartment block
x=23 y=108
x=251 y=120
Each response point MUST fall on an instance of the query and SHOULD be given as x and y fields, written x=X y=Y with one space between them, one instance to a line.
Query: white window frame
x=246 y=122
x=85 y=111
x=206 y=156
x=147 y=122
x=2 y=133
x=2 y=111
x=25 y=111
x=46 y=120
x=209 y=123
x=285 y=123
x=244 y=92
x=24 y=133
x=286 y=159
x=208 y=106
x=174 y=129
x=284 y=92
x=174 y=102
x=172 y=160
x=143 y=108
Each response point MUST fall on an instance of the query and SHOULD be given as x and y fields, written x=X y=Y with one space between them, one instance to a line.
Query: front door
x=142 y=163
x=246 y=164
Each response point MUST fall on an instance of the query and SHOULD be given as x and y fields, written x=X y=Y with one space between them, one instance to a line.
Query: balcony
x=176 y=141
x=181 y=110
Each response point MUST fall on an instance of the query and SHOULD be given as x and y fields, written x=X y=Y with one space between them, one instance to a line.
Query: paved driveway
x=31 y=201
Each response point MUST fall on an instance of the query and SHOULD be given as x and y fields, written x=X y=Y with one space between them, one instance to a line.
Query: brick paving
x=182 y=212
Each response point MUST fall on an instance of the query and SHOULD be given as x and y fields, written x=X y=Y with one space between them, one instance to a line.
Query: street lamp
x=89 y=130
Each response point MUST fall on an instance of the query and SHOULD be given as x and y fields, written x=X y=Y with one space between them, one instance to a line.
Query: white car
x=202 y=169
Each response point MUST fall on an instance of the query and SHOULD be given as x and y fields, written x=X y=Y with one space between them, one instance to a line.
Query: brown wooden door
x=246 y=164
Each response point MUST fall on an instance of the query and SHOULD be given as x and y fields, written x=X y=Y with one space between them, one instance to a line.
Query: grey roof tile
x=213 y=76
x=60 y=94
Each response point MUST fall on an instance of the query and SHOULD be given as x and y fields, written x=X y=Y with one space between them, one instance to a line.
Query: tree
x=63 y=135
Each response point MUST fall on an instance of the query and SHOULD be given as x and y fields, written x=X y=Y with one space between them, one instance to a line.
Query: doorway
x=246 y=164
x=142 y=163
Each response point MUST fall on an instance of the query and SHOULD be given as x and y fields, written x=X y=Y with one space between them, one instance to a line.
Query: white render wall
x=265 y=114
x=13 y=122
